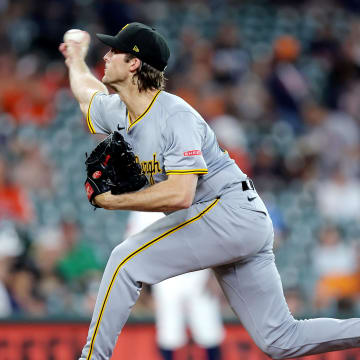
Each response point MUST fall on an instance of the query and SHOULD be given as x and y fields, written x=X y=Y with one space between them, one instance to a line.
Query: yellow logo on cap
x=136 y=49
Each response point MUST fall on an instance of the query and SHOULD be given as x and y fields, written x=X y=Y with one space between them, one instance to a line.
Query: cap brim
x=108 y=40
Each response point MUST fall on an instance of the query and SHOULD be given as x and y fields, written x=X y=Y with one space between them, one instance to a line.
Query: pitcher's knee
x=269 y=350
x=280 y=347
x=119 y=253
x=275 y=353
x=121 y=262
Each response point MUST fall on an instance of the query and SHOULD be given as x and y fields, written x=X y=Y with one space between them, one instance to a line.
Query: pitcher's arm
x=82 y=82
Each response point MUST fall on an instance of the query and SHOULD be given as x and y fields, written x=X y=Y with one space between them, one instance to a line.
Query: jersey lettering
x=149 y=168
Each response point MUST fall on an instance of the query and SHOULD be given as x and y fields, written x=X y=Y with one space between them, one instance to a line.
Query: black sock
x=166 y=354
x=213 y=353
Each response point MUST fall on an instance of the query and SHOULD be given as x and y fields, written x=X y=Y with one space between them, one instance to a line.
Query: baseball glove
x=111 y=166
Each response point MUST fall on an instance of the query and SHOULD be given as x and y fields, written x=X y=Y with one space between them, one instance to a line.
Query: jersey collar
x=130 y=125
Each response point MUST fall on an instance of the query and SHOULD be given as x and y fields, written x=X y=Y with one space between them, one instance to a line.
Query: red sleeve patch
x=192 y=152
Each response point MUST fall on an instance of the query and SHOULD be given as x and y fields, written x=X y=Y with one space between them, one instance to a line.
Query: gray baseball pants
x=234 y=236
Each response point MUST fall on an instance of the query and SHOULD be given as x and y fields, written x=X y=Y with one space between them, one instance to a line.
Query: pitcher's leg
x=120 y=287
x=255 y=294
x=110 y=314
x=163 y=250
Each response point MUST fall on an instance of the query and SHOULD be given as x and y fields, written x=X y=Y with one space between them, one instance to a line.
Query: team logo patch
x=96 y=174
x=89 y=190
x=192 y=152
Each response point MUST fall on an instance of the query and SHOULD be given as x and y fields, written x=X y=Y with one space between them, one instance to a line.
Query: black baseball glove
x=111 y=166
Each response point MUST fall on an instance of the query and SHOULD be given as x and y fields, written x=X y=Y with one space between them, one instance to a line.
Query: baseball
x=74 y=35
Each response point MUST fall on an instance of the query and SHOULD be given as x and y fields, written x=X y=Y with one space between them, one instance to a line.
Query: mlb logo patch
x=192 y=152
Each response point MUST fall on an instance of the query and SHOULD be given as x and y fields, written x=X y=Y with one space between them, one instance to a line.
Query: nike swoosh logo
x=252 y=198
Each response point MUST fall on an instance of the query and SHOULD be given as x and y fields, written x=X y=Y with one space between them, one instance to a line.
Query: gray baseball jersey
x=169 y=138
x=227 y=228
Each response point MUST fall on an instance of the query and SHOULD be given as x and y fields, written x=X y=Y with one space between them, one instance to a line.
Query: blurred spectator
x=115 y=13
x=287 y=84
x=45 y=253
x=338 y=197
x=325 y=46
x=14 y=201
x=230 y=60
x=68 y=266
x=344 y=68
x=78 y=259
x=335 y=268
x=189 y=38
x=23 y=289
x=250 y=98
x=33 y=171
x=26 y=96
x=295 y=299
x=333 y=130
x=47 y=249
x=197 y=85
x=10 y=248
x=267 y=168
x=231 y=137
x=50 y=19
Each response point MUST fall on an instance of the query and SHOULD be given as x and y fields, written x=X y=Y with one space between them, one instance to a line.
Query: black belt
x=247 y=184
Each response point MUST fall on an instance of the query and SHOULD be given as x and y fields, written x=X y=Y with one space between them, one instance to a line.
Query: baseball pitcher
x=215 y=218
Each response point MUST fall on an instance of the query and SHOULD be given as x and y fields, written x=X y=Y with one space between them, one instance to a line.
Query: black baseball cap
x=142 y=41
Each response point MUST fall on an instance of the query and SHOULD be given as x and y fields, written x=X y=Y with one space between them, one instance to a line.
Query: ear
x=135 y=64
